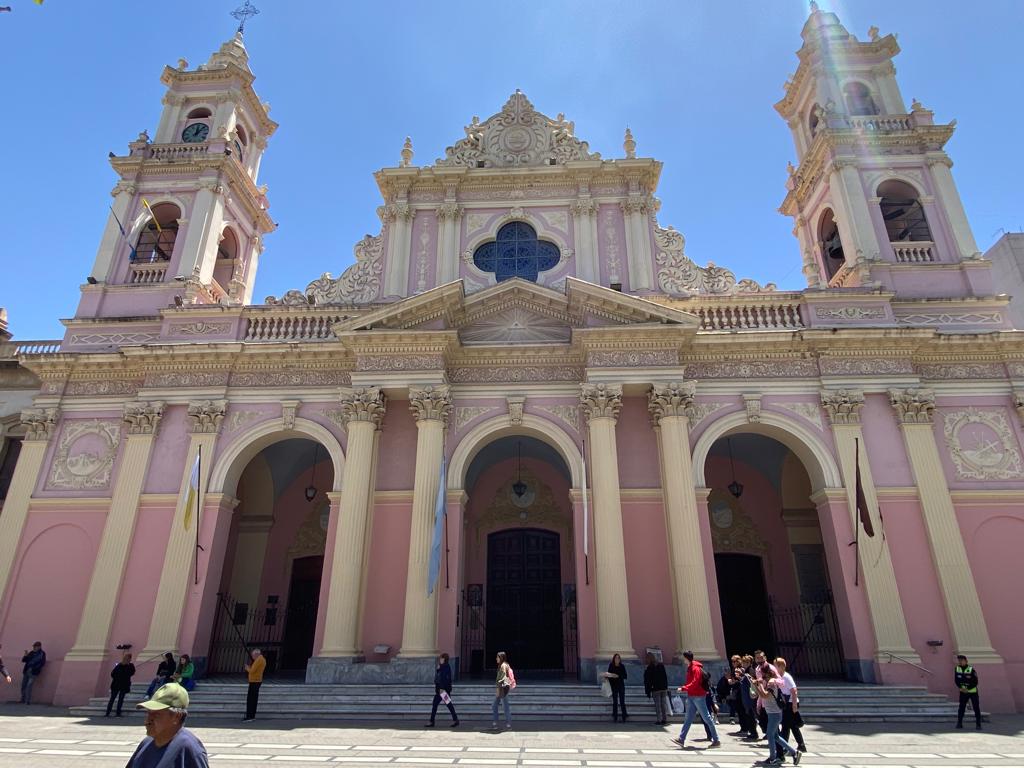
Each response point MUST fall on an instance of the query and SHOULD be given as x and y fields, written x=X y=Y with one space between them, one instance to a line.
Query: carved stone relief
x=465 y=414
x=517 y=325
x=850 y=313
x=865 y=366
x=205 y=416
x=542 y=512
x=85 y=455
x=239 y=419
x=700 y=411
x=569 y=414
x=202 y=328
x=982 y=444
x=358 y=284
x=842 y=405
x=682 y=277
x=39 y=423
x=514 y=373
x=632 y=358
x=809 y=411
x=292 y=378
x=143 y=418
x=752 y=369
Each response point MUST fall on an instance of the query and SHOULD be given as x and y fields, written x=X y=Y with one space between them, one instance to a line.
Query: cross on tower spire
x=243 y=13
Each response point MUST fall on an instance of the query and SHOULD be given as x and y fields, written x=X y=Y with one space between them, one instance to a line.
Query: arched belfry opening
x=269 y=595
x=518 y=561
x=774 y=584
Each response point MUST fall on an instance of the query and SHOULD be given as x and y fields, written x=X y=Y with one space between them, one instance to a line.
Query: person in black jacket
x=443 y=690
x=120 y=682
x=164 y=673
x=966 y=679
x=34 y=661
x=617 y=679
x=656 y=687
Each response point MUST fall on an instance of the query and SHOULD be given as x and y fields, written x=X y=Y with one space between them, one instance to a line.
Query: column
x=199 y=230
x=362 y=411
x=39 y=426
x=397 y=219
x=668 y=404
x=111 y=241
x=142 y=420
x=940 y=164
x=166 y=132
x=601 y=405
x=431 y=406
x=205 y=417
x=448 y=216
x=914 y=411
x=638 y=244
x=854 y=217
x=843 y=407
x=584 y=223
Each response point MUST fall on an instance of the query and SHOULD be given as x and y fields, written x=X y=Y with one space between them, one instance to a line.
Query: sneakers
x=714 y=744
x=248 y=719
x=453 y=725
x=796 y=758
x=679 y=742
x=494 y=725
x=428 y=725
x=802 y=748
x=508 y=726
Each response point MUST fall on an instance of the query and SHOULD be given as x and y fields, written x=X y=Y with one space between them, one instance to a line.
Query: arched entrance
x=269 y=593
x=773 y=581
x=518 y=561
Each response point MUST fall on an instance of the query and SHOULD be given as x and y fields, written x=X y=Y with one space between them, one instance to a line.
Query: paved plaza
x=44 y=736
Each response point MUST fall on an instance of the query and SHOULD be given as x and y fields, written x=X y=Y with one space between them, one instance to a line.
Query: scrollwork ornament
x=601 y=401
x=39 y=422
x=842 y=405
x=431 y=403
x=206 y=416
x=672 y=399
x=358 y=284
x=143 y=418
x=913 y=406
x=363 y=404
x=681 y=276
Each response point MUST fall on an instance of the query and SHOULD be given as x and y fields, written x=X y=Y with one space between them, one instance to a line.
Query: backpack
x=705 y=679
x=511 y=679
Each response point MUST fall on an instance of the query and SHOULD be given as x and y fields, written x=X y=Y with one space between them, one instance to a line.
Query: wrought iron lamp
x=735 y=488
x=519 y=487
x=311 y=488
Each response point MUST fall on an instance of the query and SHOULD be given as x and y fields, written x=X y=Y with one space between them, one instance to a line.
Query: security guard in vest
x=966 y=680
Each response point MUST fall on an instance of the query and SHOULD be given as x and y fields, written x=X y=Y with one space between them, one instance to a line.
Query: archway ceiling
x=505 y=448
x=288 y=459
x=757 y=451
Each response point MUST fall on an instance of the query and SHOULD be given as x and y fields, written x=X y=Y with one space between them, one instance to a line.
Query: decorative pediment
x=359 y=284
x=517 y=137
x=680 y=276
x=516 y=325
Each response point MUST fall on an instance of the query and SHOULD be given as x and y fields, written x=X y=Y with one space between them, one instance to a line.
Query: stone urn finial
x=406 y=152
x=629 y=145
x=182 y=64
x=873 y=34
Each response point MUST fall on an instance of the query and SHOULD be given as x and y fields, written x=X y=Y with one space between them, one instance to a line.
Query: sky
x=695 y=80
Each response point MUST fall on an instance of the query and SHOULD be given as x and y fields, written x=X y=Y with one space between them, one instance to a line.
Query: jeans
x=775 y=739
x=662 y=708
x=451 y=708
x=494 y=710
x=695 y=705
x=252 y=700
x=27 y=681
x=119 y=696
x=157 y=682
x=975 y=705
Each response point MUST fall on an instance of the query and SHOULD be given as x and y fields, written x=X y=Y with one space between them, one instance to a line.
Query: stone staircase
x=531 y=701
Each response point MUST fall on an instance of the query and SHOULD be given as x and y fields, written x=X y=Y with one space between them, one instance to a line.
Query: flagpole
x=857 y=523
x=199 y=482
x=447 y=584
x=586 y=518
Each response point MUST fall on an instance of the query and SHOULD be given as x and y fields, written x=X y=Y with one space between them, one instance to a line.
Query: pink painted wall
x=49 y=581
x=651 y=616
x=397 y=449
x=170 y=449
x=386 y=577
x=636 y=445
x=883 y=444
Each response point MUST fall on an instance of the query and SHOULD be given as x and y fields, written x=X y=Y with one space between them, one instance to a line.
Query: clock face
x=721 y=514
x=195 y=132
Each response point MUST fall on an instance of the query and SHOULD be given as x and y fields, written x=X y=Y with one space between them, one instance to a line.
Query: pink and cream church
x=631 y=451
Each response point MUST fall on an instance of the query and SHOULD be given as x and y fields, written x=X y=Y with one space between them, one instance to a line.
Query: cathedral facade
x=524 y=419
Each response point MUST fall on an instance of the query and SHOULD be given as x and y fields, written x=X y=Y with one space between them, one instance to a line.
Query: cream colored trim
x=897 y=493
x=16 y=506
x=995 y=497
x=157 y=498
x=393 y=497
x=652 y=495
x=90 y=503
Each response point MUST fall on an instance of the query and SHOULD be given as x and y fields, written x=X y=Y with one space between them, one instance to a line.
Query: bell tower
x=188 y=219
x=872 y=196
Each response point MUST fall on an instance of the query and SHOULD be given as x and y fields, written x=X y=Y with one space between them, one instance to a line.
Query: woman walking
x=770 y=697
x=120 y=682
x=443 y=690
x=503 y=684
x=616 y=676
x=791 y=719
x=656 y=687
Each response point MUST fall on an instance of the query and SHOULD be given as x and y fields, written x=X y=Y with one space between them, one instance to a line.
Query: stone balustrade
x=293 y=324
x=738 y=313
x=177 y=152
x=10 y=350
x=147 y=274
x=920 y=252
x=879 y=123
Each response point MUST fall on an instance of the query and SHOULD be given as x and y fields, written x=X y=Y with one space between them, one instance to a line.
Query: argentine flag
x=439 y=512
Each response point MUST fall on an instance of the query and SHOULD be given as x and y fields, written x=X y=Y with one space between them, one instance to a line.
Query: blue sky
x=694 y=79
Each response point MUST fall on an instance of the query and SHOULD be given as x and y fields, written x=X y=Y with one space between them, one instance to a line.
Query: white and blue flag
x=439 y=513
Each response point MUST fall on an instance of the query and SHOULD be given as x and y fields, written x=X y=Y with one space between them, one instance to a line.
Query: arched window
x=902 y=212
x=830 y=244
x=813 y=120
x=198 y=113
x=516 y=252
x=228 y=246
x=858 y=99
x=156 y=241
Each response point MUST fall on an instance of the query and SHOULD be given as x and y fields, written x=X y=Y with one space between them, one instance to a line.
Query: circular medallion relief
x=981 y=446
x=523 y=501
x=721 y=514
x=516 y=139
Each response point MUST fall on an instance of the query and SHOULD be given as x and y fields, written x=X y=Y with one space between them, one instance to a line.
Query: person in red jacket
x=696 y=688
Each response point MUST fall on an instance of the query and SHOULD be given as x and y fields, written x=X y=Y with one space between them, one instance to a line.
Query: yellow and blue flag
x=192 y=494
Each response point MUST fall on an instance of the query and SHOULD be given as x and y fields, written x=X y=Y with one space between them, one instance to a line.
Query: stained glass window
x=516 y=253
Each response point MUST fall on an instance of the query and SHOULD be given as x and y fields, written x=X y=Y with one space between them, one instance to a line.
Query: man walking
x=966 y=680
x=255 y=670
x=697 y=683
x=33 y=661
x=168 y=744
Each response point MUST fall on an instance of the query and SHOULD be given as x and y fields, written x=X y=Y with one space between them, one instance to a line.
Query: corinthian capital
x=39 y=422
x=143 y=418
x=363 y=404
x=601 y=401
x=672 y=399
x=843 y=405
x=583 y=207
x=634 y=205
x=431 y=403
x=913 y=406
x=205 y=416
x=449 y=211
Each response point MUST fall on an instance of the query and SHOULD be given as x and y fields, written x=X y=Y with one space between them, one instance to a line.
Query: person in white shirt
x=791 y=719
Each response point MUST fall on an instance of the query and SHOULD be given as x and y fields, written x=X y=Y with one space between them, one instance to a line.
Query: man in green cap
x=167 y=743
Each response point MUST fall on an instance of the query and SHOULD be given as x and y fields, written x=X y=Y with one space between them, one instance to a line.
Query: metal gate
x=237 y=628
x=807 y=636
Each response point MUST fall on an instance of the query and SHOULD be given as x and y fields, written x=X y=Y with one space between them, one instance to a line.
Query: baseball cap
x=166 y=696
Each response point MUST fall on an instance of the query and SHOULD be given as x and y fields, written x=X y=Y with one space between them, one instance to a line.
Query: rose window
x=516 y=252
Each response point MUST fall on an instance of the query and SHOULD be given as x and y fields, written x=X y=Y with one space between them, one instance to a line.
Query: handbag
x=606 y=688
